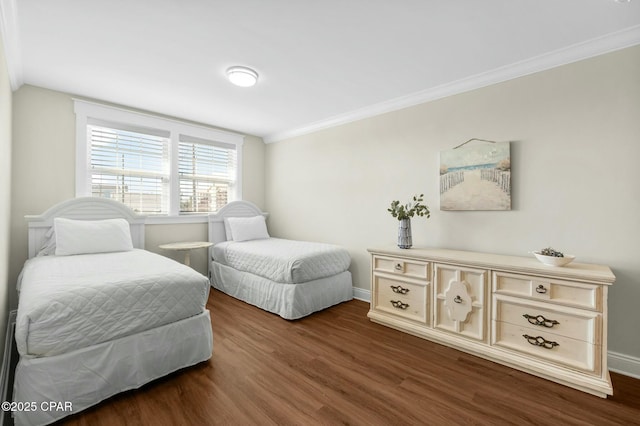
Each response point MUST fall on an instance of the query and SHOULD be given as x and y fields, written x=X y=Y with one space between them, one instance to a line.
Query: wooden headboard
x=83 y=208
x=217 y=233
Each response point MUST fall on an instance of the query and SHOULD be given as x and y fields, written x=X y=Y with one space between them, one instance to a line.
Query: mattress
x=71 y=302
x=283 y=261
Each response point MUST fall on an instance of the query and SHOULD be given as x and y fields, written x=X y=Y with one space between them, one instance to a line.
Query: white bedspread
x=71 y=302
x=283 y=261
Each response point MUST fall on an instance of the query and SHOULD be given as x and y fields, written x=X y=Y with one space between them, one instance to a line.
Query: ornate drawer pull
x=540 y=341
x=398 y=304
x=399 y=289
x=398 y=267
x=540 y=320
x=541 y=289
x=457 y=299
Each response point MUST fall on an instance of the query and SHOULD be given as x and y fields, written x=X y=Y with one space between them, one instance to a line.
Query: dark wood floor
x=336 y=367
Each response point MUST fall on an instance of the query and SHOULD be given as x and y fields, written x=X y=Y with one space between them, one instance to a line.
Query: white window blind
x=168 y=170
x=207 y=174
x=130 y=166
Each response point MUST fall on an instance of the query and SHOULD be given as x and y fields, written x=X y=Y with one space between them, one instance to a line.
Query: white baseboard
x=618 y=363
x=624 y=364
x=362 y=294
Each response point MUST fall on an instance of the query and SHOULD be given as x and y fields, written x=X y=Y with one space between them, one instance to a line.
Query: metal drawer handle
x=540 y=320
x=541 y=289
x=398 y=304
x=540 y=341
x=457 y=299
x=399 y=289
x=398 y=267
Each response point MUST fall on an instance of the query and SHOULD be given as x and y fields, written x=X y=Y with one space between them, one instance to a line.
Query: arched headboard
x=83 y=208
x=217 y=233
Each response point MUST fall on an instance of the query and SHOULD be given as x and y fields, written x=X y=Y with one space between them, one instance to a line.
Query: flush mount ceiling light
x=242 y=76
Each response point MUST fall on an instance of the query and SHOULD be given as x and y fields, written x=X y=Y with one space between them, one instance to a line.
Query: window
x=159 y=167
x=131 y=167
x=207 y=174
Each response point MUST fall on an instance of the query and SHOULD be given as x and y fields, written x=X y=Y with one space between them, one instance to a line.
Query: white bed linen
x=89 y=375
x=63 y=307
x=283 y=261
x=290 y=301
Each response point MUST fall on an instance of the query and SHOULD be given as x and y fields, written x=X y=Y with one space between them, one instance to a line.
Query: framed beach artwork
x=476 y=177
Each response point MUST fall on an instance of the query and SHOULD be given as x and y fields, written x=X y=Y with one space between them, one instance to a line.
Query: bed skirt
x=87 y=376
x=290 y=301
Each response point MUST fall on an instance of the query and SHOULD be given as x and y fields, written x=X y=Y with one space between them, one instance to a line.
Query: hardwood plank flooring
x=337 y=367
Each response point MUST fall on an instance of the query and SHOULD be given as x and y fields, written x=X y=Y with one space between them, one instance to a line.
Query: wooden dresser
x=544 y=320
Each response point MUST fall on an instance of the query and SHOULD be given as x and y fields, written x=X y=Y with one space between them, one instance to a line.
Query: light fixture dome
x=242 y=76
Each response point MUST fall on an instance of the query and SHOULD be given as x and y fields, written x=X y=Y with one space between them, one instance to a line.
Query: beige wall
x=43 y=161
x=5 y=191
x=576 y=180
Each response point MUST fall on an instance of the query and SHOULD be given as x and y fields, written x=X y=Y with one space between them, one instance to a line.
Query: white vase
x=404 y=234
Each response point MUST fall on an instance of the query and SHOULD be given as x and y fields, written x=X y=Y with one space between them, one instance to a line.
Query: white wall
x=43 y=161
x=5 y=190
x=575 y=177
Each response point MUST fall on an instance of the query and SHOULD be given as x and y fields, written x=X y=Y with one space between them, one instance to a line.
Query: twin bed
x=98 y=315
x=289 y=278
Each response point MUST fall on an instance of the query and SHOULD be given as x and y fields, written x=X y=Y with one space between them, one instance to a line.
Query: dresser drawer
x=549 y=319
x=557 y=291
x=401 y=298
x=404 y=267
x=577 y=354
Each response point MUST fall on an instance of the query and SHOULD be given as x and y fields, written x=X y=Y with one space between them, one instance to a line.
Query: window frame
x=88 y=112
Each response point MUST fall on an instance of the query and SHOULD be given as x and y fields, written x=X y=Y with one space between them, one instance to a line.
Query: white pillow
x=91 y=236
x=248 y=228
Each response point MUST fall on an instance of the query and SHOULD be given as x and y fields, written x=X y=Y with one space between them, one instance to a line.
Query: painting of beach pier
x=476 y=177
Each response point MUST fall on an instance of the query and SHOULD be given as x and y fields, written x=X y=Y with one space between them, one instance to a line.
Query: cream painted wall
x=5 y=190
x=576 y=181
x=162 y=234
x=43 y=174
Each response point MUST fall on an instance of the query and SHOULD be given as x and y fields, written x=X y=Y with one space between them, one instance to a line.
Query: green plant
x=412 y=208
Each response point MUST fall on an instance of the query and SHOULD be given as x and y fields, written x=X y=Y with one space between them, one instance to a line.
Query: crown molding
x=576 y=52
x=10 y=38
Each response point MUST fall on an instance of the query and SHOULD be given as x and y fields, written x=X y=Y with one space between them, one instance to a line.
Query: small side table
x=186 y=247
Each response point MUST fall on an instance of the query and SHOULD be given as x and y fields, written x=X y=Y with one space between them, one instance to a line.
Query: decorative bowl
x=553 y=260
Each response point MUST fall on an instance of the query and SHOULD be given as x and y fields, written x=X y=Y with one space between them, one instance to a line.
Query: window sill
x=170 y=220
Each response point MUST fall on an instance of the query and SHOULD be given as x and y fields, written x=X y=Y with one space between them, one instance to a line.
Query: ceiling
x=321 y=63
